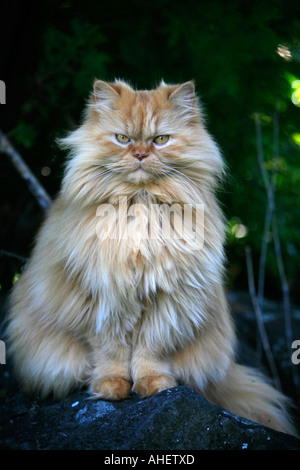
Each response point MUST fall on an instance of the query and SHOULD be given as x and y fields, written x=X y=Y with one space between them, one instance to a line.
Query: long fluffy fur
x=141 y=311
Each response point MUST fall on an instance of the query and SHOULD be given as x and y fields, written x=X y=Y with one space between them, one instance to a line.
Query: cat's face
x=154 y=140
x=143 y=134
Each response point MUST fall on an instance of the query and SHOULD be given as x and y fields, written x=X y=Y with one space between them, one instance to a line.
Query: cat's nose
x=140 y=156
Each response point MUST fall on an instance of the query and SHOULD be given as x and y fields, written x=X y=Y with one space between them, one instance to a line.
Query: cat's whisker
x=98 y=175
x=182 y=175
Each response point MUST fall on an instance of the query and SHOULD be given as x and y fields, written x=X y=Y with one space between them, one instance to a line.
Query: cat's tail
x=246 y=392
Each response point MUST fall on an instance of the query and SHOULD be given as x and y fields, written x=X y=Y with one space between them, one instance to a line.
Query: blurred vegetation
x=245 y=59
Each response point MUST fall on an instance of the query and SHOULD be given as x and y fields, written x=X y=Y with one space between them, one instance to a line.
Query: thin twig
x=277 y=244
x=286 y=304
x=284 y=284
x=268 y=215
x=271 y=220
x=259 y=319
x=33 y=184
x=260 y=153
x=267 y=225
x=13 y=255
x=275 y=151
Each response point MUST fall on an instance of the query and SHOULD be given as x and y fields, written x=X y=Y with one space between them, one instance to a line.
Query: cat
x=127 y=300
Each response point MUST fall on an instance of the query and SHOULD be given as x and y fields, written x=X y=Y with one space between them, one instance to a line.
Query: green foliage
x=24 y=133
x=71 y=61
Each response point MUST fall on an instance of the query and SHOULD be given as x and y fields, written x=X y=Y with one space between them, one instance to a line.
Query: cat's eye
x=161 y=139
x=122 y=138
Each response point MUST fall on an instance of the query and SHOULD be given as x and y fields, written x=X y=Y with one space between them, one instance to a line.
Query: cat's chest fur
x=138 y=247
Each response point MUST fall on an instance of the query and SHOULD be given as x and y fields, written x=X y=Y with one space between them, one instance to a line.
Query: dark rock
x=176 y=419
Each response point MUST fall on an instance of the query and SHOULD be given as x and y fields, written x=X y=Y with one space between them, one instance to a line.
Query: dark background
x=51 y=51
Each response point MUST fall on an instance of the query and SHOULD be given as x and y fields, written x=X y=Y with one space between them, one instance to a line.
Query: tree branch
x=259 y=319
x=33 y=184
x=13 y=255
x=268 y=215
x=271 y=221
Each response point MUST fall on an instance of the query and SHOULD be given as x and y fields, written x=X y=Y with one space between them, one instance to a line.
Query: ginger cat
x=117 y=295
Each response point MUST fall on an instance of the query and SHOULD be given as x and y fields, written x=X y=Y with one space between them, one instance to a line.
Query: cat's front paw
x=152 y=384
x=111 y=388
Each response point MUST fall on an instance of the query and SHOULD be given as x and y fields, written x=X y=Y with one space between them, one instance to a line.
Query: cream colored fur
x=139 y=312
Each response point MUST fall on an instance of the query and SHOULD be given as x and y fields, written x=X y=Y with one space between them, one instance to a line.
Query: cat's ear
x=183 y=95
x=106 y=94
x=184 y=100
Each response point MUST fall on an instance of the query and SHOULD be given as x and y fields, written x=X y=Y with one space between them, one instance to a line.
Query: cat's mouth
x=141 y=167
x=140 y=174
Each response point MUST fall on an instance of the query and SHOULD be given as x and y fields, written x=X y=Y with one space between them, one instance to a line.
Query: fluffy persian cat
x=117 y=296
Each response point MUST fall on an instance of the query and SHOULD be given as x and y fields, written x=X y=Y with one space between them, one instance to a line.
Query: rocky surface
x=176 y=419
